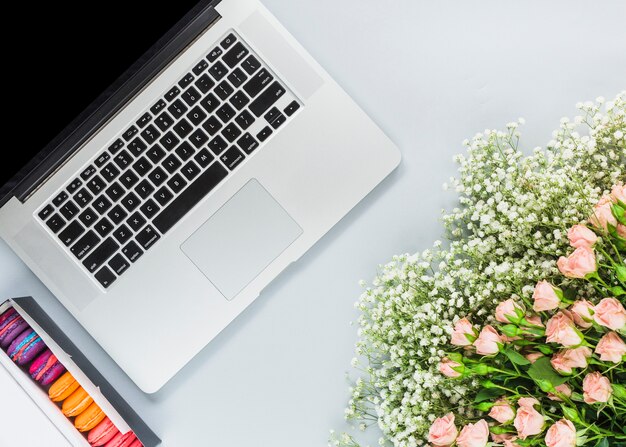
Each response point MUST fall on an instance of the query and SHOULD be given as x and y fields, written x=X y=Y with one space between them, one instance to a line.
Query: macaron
x=25 y=347
x=46 y=368
x=11 y=325
x=89 y=418
x=63 y=387
x=124 y=440
x=102 y=433
x=76 y=403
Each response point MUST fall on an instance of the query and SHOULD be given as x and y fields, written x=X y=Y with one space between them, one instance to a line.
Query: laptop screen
x=74 y=52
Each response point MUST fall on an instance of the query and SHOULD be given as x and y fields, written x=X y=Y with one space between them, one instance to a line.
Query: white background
x=430 y=73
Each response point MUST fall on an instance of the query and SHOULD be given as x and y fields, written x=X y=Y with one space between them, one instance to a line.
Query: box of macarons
x=66 y=387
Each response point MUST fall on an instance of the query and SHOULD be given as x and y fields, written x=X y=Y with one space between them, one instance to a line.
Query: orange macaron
x=76 y=403
x=63 y=387
x=89 y=418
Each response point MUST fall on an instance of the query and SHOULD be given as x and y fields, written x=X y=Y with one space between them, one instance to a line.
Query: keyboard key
x=218 y=71
x=224 y=90
x=149 y=208
x=130 y=133
x=235 y=55
x=136 y=221
x=88 y=217
x=190 y=170
x=123 y=160
x=144 y=189
x=177 y=109
x=69 y=210
x=157 y=176
x=102 y=159
x=239 y=100
x=103 y=227
x=144 y=120
x=122 y=234
x=100 y=255
x=88 y=172
x=47 y=211
x=158 y=107
x=164 y=121
x=116 y=146
x=204 y=158
x=96 y=184
x=71 y=233
x=212 y=125
x=217 y=145
x=231 y=132
x=202 y=65
x=137 y=146
x=184 y=151
x=291 y=108
x=204 y=83
x=55 y=223
x=183 y=128
x=196 y=116
x=176 y=183
x=72 y=187
x=247 y=143
x=172 y=94
x=213 y=55
x=171 y=163
x=278 y=121
x=237 y=77
x=62 y=197
x=110 y=172
x=132 y=251
x=83 y=198
x=150 y=134
x=251 y=64
x=85 y=244
x=232 y=157
x=244 y=119
x=228 y=41
x=115 y=192
x=119 y=264
x=185 y=81
x=210 y=103
x=117 y=214
x=155 y=154
x=101 y=204
x=271 y=114
x=267 y=99
x=201 y=186
x=163 y=195
x=191 y=96
x=142 y=166
x=258 y=82
x=226 y=112
x=130 y=201
x=105 y=277
x=129 y=179
x=198 y=138
x=169 y=141
x=147 y=237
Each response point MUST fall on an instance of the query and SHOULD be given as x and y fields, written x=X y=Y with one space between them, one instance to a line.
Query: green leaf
x=544 y=375
x=487 y=394
x=619 y=213
x=516 y=357
x=570 y=413
x=619 y=391
x=618 y=291
x=484 y=406
x=546 y=350
x=621 y=272
x=510 y=330
x=603 y=442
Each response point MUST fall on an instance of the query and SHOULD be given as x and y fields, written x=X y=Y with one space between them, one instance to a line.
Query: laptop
x=219 y=158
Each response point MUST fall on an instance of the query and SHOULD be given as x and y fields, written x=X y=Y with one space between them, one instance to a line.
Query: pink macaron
x=124 y=440
x=11 y=325
x=46 y=368
x=102 y=433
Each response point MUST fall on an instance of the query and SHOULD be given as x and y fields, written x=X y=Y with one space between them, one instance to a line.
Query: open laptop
x=217 y=160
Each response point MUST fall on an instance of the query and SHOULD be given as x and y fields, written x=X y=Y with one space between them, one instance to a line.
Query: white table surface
x=430 y=73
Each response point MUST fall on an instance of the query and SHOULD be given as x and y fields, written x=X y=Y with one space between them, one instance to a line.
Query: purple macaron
x=46 y=368
x=11 y=325
x=26 y=347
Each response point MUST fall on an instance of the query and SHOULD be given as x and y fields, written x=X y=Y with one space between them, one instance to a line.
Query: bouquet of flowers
x=553 y=368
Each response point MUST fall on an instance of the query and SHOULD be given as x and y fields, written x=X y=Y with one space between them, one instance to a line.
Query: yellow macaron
x=63 y=387
x=89 y=418
x=76 y=403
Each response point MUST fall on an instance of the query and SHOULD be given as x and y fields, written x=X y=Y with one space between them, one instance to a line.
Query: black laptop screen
x=68 y=62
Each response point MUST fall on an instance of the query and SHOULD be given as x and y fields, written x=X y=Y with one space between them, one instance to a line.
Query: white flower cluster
x=511 y=223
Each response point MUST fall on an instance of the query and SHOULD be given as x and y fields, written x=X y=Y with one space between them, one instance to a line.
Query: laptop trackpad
x=242 y=238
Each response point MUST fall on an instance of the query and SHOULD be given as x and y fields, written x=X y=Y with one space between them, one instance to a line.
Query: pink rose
x=502 y=411
x=582 y=313
x=561 y=434
x=474 y=435
x=611 y=348
x=506 y=439
x=562 y=389
x=464 y=333
x=446 y=367
x=610 y=313
x=508 y=308
x=602 y=215
x=621 y=230
x=565 y=360
x=619 y=193
x=528 y=421
x=527 y=402
x=488 y=342
x=579 y=264
x=581 y=236
x=560 y=329
x=533 y=356
x=535 y=320
x=545 y=297
x=596 y=388
x=443 y=432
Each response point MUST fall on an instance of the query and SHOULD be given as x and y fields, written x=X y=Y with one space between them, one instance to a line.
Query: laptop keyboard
x=178 y=150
